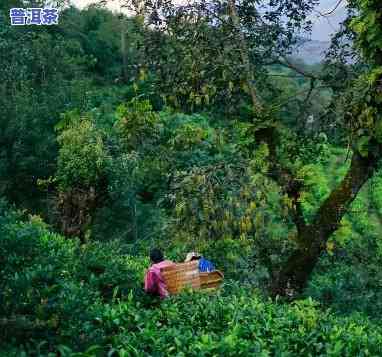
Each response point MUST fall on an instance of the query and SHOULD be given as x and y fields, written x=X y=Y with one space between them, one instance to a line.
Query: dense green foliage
x=190 y=128
x=56 y=294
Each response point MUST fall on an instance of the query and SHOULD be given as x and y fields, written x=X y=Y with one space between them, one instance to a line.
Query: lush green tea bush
x=51 y=286
x=59 y=296
x=237 y=323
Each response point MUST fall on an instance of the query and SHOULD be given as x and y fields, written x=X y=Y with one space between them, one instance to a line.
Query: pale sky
x=112 y=4
x=322 y=29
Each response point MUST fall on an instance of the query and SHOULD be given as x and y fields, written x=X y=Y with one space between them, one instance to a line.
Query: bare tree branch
x=331 y=11
x=285 y=62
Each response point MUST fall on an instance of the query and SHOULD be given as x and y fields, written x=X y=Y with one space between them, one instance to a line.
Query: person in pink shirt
x=154 y=282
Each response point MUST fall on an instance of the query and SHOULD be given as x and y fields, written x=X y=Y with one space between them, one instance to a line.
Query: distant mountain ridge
x=311 y=51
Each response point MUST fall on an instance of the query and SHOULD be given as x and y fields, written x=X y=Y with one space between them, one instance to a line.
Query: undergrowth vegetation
x=190 y=127
x=60 y=297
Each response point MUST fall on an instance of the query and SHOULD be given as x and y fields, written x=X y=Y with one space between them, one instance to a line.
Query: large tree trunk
x=312 y=238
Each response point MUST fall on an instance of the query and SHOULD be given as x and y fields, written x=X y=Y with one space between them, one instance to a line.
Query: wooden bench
x=187 y=275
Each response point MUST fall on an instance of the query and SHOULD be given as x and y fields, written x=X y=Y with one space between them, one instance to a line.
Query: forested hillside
x=190 y=127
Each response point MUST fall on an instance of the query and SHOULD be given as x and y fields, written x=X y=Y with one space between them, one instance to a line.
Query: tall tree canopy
x=219 y=53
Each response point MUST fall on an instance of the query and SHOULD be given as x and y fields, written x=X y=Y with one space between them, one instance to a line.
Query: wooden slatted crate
x=180 y=276
x=211 y=280
x=183 y=275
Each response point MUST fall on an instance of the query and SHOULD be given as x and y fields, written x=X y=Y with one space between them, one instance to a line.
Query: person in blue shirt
x=204 y=264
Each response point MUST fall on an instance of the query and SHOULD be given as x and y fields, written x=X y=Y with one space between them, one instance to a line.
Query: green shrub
x=51 y=287
x=82 y=156
x=60 y=297
x=348 y=284
x=235 y=324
